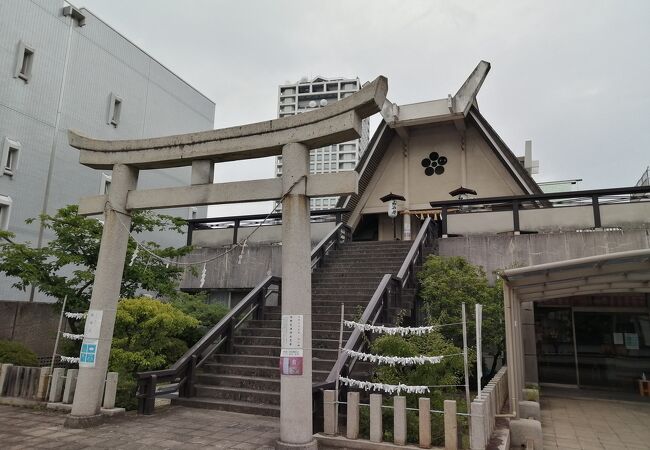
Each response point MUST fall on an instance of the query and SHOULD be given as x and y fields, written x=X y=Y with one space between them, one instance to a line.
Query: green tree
x=148 y=336
x=66 y=265
x=446 y=283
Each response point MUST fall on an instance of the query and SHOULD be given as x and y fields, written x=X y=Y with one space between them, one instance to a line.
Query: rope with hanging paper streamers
x=402 y=331
x=382 y=387
x=168 y=261
x=73 y=337
x=396 y=360
x=69 y=359
x=75 y=315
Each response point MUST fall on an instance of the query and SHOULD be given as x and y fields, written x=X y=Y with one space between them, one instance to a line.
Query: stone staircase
x=248 y=380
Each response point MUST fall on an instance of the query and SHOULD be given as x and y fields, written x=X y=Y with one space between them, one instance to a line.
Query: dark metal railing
x=235 y=223
x=384 y=298
x=180 y=377
x=516 y=203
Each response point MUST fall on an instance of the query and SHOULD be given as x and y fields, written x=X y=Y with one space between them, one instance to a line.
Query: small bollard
x=4 y=376
x=70 y=385
x=56 y=385
x=451 y=425
x=329 y=412
x=399 y=420
x=110 y=390
x=43 y=377
x=376 y=427
x=352 y=429
x=19 y=374
x=424 y=414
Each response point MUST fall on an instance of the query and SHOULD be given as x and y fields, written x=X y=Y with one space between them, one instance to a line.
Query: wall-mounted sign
x=291 y=361
x=434 y=164
x=291 y=332
x=88 y=354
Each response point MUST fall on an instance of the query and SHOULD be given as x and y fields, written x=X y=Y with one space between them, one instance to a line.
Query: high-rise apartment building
x=307 y=95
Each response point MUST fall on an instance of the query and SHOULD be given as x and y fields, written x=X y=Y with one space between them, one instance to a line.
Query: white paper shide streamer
x=381 y=387
x=77 y=315
x=73 y=337
x=395 y=360
x=402 y=331
x=69 y=359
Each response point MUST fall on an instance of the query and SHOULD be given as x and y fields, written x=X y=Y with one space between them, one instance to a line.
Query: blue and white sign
x=88 y=354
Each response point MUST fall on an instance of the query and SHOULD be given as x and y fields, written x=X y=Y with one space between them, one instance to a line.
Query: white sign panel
x=93 y=323
x=88 y=355
x=292 y=331
x=392 y=209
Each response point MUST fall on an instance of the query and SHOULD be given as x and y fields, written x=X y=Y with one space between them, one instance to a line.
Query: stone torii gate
x=292 y=137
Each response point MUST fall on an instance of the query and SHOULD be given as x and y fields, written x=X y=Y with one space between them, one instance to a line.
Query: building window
x=114 y=110
x=24 y=62
x=10 y=154
x=5 y=209
x=105 y=184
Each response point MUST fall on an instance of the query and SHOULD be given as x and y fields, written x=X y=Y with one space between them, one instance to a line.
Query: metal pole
x=394 y=230
x=467 y=396
x=479 y=348
x=56 y=345
x=336 y=389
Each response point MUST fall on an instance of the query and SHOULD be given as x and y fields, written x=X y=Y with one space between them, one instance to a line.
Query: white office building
x=63 y=68
x=307 y=95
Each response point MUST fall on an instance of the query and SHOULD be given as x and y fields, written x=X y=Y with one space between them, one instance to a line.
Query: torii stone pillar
x=296 y=407
x=106 y=291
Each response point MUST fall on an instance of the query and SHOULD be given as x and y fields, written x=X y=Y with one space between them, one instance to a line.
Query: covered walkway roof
x=624 y=272
x=603 y=274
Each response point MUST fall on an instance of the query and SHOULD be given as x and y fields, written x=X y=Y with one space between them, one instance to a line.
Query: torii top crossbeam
x=335 y=123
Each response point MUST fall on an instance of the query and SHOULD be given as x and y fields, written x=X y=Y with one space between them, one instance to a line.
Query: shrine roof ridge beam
x=332 y=124
x=346 y=183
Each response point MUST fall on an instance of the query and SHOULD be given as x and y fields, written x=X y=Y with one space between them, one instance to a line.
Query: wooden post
x=451 y=425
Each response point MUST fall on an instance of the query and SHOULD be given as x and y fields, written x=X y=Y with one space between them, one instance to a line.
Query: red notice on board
x=291 y=361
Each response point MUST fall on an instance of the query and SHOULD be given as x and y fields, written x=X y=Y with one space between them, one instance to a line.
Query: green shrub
x=148 y=336
x=12 y=352
x=208 y=315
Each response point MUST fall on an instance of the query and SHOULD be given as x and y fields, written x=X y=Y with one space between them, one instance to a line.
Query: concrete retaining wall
x=32 y=324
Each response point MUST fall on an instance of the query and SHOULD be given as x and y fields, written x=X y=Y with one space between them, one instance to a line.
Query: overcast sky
x=573 y=76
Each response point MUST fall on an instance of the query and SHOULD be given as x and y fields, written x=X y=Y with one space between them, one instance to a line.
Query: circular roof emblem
x=434 y=164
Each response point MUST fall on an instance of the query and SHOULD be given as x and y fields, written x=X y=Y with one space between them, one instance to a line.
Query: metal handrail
x=379 y=302
x=182 y=371
x=340 y=233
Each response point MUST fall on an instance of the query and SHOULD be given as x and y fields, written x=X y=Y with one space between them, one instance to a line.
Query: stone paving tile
x=174 y=427
x=585 y=424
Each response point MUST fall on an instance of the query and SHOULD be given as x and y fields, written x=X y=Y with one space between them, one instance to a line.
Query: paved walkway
x=175 y=427
x=595 y=424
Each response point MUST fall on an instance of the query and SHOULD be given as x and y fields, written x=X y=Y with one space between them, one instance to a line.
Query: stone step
x=241 y=370
x=276 y=332
x=344 y=277
x=239 y=381
x=239 y=395
x=260 y=409
x=273 y=341
x=263 y=350
x=264 y=362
